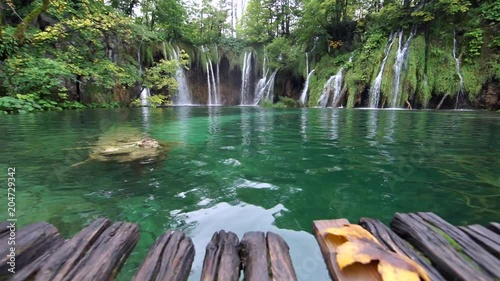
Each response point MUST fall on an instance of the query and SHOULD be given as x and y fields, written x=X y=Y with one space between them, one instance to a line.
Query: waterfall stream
x=401 y=58
x=245 y=78
x=459 y=71
x=183 y=93
x=375 y=88
x=303 y=96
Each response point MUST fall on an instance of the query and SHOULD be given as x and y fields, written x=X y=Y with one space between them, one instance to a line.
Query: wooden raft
x=98 y=252
x=446 y=252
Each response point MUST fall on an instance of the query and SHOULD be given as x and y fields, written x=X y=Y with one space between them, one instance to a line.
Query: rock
x=490 y=97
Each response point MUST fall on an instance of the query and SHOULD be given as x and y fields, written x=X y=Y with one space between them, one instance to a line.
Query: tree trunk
x=442 y=100
x=19 y=34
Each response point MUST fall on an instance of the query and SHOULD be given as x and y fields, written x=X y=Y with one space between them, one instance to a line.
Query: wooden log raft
x=96 y=253
x=266 y=258
x=495 y=227
x=484 y=237
x=396 y=244
x=451 y=264
x=328 y=249
x=222 y=261
x=478 y=254
x=33 y=245
x=169 y=259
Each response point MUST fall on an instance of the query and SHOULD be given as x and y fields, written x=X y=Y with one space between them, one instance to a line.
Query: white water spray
x=245 y=78
x=375 y=89
x=183 y=93
x=303 y=96
x=459 y=71
x=401 y=56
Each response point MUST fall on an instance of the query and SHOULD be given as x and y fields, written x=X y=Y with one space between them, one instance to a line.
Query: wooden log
x=450 y=263
x=170 y=258
x=396 y=244
x=279 y=258
x=484 y=237
x=4 y=229
x=32 y=242
x=29 y=271
x=354 y=272
x=253 y=252
x=495 y=227
x=478 y=254
x=222 y=261
x=62 y=261
x=96 y=253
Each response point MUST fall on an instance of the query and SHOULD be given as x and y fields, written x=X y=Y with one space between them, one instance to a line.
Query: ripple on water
x=244 y=183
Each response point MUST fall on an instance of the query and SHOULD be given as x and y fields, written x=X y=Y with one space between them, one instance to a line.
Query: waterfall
x=401 y=55
x=303 y=96
x=264 y=88
x=145 y=94
x=375 y=89
x=209 y=84
x=217 y=63
x=459 y=71
x=213 y=83
x=266 y=92
x=334 y=83
x=245 y=78
x=325 y=94
x=183 y=93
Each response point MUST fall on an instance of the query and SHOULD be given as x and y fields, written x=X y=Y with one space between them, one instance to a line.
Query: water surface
x=245 y=168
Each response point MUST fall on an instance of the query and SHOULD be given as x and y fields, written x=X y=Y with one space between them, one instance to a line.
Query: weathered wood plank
x=478 y=254
x=170 y=258
x=396 y=244
x=484 y=237
x=4 y=228
x=253 y=252
x=62 y=261
x=96 y=253
x=279 y=258
x=222 y=261
x=29 y=271
x=451 y=264
x=105 y=258
x=495 y=227
x=32 y=242
x=355 y=272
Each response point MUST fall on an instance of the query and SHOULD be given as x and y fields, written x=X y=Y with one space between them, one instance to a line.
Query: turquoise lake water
x=247 y=168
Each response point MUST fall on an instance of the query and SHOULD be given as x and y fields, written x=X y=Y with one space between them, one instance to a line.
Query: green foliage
x=474 y=43
x=162 y=75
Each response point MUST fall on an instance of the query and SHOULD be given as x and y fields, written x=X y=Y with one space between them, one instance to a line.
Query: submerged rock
x=126 y=146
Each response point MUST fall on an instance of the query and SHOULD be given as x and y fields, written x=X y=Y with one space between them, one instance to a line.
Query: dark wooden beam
x=484 y=237
x=450 y=263
x=222 y=261
x=396 y=244
x=253 y=252
x=170 y=258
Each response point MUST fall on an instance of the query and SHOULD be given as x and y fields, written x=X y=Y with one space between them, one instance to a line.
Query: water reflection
x=241 y=218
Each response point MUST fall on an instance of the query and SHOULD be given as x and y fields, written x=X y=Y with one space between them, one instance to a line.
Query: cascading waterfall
x=183 y=93
x=145 y=94
x=264 y=88
x=375 y=88
x=401 y=56
x=334 y=84
x=212 y=82
x=459 y=71
x=303 y=96
x=325 y=94
x=245 y=79
x=267 y=91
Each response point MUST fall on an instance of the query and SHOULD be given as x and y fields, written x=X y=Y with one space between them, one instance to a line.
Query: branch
x=19 y=34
